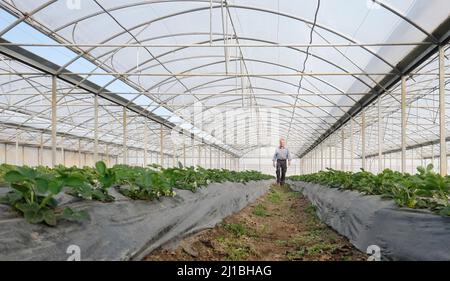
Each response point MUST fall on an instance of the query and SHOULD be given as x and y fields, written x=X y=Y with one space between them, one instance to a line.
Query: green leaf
x=101 y=167
x=31 y=212
x=27 y=172
x=41 y=185
x=72 y=215
x=11 y=198
x=14 y=176
x=74 y=181
x=55 y=186
x=24 y=189
x=49 y=217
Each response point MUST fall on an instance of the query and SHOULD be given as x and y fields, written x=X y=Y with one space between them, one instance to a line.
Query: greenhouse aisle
x=279 y=226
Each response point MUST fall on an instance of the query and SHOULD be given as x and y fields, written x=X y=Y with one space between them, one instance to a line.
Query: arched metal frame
x=215 y=85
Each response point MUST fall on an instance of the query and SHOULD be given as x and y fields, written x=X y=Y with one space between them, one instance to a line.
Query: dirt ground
x=282 y=225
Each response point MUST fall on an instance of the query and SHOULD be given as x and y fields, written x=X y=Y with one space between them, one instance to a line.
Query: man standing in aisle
x=280 y=158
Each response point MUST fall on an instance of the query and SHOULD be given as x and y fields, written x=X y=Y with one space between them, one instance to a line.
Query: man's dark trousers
x=281 y=171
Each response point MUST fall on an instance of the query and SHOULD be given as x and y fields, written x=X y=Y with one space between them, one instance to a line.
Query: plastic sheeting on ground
x=124 y=229
x=400 y=233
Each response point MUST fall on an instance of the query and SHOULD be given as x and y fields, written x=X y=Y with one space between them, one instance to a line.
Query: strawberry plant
x=4 y=168
x=33 y=194
x=148 y=185
x=424 y=190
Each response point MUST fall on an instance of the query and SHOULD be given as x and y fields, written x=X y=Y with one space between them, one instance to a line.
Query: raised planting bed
x=400 y=233
x=124 y=229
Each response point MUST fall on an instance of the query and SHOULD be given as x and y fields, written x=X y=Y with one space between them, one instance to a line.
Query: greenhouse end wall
x=34 y=156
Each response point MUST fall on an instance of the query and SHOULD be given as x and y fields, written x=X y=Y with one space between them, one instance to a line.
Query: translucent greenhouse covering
x=350 y=84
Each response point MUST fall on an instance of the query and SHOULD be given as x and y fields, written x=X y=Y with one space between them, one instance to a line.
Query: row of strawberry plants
x=423 y=190
x=34 y=189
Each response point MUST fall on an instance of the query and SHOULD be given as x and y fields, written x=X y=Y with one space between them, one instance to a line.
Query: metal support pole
x=335 y=148
x=432 y=154
x=342 y=150
x=107 y=156
x=380 y=139
x=184 y=153
x=442 y=124
x=63 y=157
x=95 y=128
x=17 y=148
x=403 y=125
x=41 y=155
x=145 y=142
x=210 y=157
x=351 y=145
x=218 y=159
x=161 y=145
x=330 y=155
x=54 y=102
x=79 y=154
x=205 y=150
x=199 y=158
x=259 y=159
x=321 y=156
x=363 y=139
x=124 y=125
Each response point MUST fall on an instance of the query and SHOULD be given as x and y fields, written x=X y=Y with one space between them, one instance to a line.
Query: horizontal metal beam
x=229 y=74
x=410 y=147
x=216 y=45
x=60 y=134
x=28 y=58
x=410 y=62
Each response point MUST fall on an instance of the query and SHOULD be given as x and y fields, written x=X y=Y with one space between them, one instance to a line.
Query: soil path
x=282 y=225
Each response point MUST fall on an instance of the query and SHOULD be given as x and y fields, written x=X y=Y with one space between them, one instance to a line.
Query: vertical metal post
x=259 y=159
x=403 y=125
x=218 y=158
x=184 y=153
x=363 y=139
x=107 y=156
x=442 y=123
x=342 y=149
x=206 y=157
x=54 y=102
x=380 y=138
x=210 y=158
x=199 y=158
x=161 y=145
x=95 y=128
x=41 y=155
x=432 y=154
x=124 y=126
x=79 y=154
x=335 y=148
x=63 y=157
x=17 y=148
x=330 y=155
x=145 y=143
x=351 y=144
x=321 y=156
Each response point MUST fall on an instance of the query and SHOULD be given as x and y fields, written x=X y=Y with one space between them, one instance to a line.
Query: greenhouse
x=164 y=130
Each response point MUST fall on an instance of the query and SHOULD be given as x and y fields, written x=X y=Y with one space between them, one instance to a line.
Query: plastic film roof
x=180 y=59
